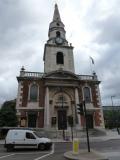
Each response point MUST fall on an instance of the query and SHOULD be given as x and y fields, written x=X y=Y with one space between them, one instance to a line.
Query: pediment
x=61 y=75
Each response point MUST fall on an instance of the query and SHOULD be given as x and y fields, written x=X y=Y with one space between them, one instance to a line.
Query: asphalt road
x=110 y=148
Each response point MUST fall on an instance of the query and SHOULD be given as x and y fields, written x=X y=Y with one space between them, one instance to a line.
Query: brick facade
x=58 y=88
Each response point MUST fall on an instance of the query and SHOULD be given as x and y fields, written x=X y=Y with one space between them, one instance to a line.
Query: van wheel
x=10 y=147
x=41 y=146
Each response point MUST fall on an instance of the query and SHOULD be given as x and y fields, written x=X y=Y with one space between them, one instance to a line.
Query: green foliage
x=112 y=118
x=8 y=116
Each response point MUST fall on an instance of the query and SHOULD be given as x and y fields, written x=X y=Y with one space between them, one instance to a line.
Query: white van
x=20 y=138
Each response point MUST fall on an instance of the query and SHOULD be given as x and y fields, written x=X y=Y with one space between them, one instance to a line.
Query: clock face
x=58 y=40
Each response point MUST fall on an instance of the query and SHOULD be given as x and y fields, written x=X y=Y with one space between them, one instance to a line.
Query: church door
x=90 y=121
x=32 y=118
x=62 y=119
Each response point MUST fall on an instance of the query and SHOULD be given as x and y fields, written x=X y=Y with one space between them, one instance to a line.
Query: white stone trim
x=90 y=92
x=27 y=108
x=46 y=109
x=77 y=102
x=102 y=125
x=20 y=87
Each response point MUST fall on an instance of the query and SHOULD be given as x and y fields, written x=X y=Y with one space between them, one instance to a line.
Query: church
x=49 y=100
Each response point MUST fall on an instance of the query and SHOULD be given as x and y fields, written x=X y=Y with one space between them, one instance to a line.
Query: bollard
x=75 y=146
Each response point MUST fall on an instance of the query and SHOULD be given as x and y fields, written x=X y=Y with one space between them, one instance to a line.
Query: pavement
x=109 y=136
x=92 y=155
x=85 y=155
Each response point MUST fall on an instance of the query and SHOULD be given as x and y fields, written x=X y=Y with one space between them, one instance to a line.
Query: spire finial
x=56 y=16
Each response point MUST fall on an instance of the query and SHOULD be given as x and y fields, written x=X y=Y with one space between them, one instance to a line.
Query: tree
x=8 y=116
x=112 y=118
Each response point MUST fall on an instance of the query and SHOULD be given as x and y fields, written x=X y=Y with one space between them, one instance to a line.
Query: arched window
x=57 y=34
x=33 y=92
x=59 y=58
x=61 y=99
x=87 y=97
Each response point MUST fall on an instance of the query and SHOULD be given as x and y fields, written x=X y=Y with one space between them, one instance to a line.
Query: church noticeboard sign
x=53 y=120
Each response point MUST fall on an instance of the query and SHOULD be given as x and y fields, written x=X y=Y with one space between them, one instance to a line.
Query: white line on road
x=46 y=155
x=24 y=153
x=7 y=156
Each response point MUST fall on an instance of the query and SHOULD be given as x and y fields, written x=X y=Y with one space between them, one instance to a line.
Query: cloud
x=108 y=40
x=91 y=26
x=109 y=30
x=21 y=39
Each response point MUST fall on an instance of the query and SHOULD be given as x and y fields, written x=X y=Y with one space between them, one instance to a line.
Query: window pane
x=61 y=99
x=33 y=92
x=57 y=34
x=30 y=136
x=60 y=58
x=87 y=94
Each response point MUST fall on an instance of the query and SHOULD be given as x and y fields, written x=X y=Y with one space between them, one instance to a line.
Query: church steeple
x=56 y=16
x=56 y=27
x=58 y=53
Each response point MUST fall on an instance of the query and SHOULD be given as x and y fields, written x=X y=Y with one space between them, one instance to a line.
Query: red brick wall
x=82 y=120
x=41 y=93
x=95 y=101
x=25 y=93
x=94 y=96
x=97 y=118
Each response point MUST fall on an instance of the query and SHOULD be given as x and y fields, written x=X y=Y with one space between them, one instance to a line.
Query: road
x=110 y=148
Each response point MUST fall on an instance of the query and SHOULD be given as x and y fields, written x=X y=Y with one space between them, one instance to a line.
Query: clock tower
x=49 y=100
x=58 y=53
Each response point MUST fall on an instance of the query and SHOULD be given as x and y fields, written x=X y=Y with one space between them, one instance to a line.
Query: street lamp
x=116 y=120
x=112 y=110
x=112 y=99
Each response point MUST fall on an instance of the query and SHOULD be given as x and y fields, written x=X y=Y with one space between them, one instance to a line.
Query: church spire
x=56 y=27
x=56 y=16
x=58 y=54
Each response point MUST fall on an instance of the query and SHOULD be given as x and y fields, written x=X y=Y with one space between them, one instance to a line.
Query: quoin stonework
x=49 y=99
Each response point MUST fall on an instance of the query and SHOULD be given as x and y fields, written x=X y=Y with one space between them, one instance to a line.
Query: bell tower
x=58 y=53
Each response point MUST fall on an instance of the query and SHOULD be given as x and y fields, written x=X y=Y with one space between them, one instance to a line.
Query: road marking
x=46 y=155
x=24 y=153
x=7 y=156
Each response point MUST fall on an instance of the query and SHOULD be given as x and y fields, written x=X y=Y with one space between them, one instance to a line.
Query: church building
x=50 y=99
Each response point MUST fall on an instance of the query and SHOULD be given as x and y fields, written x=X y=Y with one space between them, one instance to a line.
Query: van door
x=18 y=137
x=30 y=140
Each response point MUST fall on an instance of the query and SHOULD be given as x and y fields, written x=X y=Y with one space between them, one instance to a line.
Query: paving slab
x=85 y=155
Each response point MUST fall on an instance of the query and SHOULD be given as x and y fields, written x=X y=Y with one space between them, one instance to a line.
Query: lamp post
x=83 y=111
x=112 y=110
x=116 y=120
x=112 y=99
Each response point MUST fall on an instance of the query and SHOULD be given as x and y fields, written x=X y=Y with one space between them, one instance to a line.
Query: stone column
x=77 y=102
x=47 y=110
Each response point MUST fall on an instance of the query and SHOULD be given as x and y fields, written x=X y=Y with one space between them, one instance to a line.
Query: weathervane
x=92 y=64
x=56 y=1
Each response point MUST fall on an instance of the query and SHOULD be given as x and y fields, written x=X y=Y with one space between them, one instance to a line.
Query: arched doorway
x=62 y=110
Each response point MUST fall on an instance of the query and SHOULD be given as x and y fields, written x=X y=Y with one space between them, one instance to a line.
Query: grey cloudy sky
x=93 y=27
